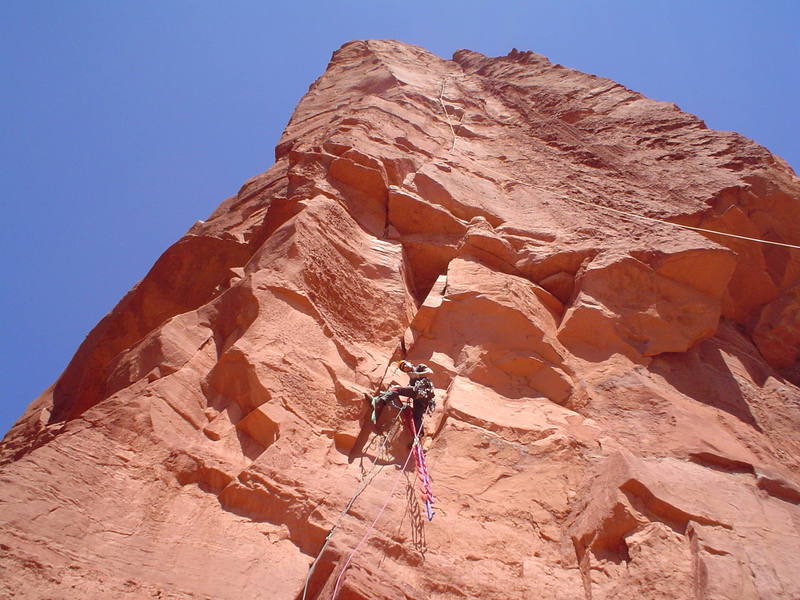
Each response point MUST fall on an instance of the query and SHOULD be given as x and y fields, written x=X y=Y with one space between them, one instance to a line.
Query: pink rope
x=422 y=470
x=370 y=528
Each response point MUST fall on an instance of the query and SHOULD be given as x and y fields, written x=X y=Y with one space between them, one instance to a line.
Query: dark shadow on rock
x=416 y=519
x=362 y=445
x=188 y=275
x=702 y=373
x=792 y=373
x=321 y=576
x=250 y=447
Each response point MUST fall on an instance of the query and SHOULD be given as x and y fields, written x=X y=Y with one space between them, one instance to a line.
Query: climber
x=420 y=390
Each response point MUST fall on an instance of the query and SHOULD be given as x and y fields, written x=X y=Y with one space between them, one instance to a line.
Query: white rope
x=635 y=216
x=446 y=114
x=361 y=487
x=600 y=206
x=363 y=539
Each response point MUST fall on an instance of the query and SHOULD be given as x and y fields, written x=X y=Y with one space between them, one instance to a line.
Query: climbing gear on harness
x=423 y=389
x=422 y=469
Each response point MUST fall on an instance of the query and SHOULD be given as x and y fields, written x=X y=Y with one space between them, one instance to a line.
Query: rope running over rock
x=363 y=539
x=600 y=206
x=361 y=487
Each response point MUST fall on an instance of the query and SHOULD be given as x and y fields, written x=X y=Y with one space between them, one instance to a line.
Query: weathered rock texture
x=618 y=403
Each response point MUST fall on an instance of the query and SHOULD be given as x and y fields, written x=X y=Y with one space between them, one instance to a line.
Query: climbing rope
x=416 y=448
x=419 y=459
x=365 y=481
x=640 y=217
x=363 y=539
x=595 y=204
x=425 y=489
x=446 y=114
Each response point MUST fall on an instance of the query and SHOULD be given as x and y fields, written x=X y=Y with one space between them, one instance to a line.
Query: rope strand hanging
x=364 y=537
x=361 y=487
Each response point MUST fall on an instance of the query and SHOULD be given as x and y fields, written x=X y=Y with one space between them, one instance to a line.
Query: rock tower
x=618 y=412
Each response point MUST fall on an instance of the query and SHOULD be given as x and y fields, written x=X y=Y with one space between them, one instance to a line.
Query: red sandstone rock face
x=618 y=412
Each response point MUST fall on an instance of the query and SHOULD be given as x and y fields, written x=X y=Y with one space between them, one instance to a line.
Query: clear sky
x=123 y=122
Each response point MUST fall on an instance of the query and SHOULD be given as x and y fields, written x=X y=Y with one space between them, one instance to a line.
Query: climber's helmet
x=422 y=369
x=412 y=370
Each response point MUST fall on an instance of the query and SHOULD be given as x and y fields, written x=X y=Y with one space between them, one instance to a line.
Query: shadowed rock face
x=617 y=404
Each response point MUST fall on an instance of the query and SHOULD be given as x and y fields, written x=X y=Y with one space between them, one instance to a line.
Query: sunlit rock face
x=617 y=411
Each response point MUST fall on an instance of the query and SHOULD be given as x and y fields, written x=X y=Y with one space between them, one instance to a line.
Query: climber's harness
x=423 y=390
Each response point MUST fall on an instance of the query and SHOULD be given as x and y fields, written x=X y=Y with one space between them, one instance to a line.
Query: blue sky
x=123 y=122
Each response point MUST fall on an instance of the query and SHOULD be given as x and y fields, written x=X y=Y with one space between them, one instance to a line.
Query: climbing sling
x=426 y=492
